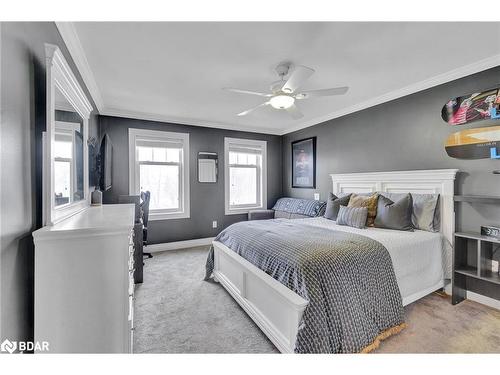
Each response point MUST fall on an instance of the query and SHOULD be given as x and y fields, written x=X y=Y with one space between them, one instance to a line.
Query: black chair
x=145 y=197
x=138 y=235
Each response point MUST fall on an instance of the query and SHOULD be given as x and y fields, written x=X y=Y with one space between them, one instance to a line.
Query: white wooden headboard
x=434 y=181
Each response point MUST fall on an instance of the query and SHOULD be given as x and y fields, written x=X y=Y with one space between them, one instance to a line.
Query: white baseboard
x=166 y=246
x=479 y=298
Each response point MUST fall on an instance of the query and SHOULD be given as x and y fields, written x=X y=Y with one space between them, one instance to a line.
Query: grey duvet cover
x=347 y=278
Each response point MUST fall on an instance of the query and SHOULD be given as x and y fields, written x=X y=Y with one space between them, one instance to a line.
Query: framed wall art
x=304 y=163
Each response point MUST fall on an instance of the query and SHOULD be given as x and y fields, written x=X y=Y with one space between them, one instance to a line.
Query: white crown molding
x=414 y=175
x=70 y=38
x=440 y=79
x=185 y=121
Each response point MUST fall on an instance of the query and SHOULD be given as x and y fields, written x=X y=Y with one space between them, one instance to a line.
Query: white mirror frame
x=59 y=75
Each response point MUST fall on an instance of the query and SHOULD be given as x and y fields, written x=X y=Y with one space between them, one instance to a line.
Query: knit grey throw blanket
x=347 y=278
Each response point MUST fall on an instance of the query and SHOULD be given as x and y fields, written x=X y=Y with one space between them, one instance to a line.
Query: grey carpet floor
x=177 y=312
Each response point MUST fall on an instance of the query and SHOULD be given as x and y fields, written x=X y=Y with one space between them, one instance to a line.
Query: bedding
x=293 y=208
x=352 y=216
x=369 y=202
x=421 y=259
x=333 y=204
x=425 y=215
x=394 y=215
x=347 y=278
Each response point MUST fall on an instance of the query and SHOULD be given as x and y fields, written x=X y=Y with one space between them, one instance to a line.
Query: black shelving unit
x=484 y=199
x=472 y=258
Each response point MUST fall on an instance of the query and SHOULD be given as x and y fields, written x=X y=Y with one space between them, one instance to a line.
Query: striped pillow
x=352 y=216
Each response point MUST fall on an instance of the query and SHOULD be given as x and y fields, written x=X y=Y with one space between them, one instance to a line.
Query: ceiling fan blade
x=294 y=111
x=239 y=91
x=322 y=92
x=299 y=75
x=244 y=113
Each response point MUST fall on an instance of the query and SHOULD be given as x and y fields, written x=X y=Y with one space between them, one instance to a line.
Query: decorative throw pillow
x=369 y=202
x=392 y=215
x=333 y=204
x=352 y=216
x=306 y=207
x=426 y=212
x=426 y=215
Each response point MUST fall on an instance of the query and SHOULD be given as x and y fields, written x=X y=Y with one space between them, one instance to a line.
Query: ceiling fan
x=284 y=92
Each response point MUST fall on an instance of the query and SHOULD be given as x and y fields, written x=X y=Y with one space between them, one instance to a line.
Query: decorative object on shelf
x=474 y=107
x=490 y=231
x=304 y=163
x=96 y=197
x=477 y=143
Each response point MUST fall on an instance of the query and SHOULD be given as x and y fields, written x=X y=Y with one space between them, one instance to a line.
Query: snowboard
x=477 y=143
x=474 y=107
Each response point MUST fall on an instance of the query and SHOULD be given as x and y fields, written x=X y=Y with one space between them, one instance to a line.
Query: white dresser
x=84 y=288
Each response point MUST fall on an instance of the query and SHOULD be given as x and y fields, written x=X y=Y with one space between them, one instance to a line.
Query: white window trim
x=133 y=134
x=263 y=187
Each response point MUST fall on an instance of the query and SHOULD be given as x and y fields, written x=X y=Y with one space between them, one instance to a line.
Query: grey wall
x=207 y=200
x=404 y=134
x=23 y=120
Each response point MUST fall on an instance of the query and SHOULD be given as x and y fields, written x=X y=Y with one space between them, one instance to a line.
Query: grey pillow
x=392 y=215
x=281 y=215
x=352 y=216
x=425 y=214
x=333 y=204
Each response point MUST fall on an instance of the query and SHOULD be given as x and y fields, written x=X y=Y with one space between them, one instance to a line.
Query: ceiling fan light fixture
x=282 y=101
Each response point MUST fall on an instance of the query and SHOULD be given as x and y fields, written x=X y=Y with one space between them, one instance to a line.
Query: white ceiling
x=176 y=71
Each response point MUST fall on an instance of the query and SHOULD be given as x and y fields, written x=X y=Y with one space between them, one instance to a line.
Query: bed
x=278 y=311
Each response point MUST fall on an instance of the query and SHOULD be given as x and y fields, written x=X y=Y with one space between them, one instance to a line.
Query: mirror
x=65 y=142
x=68 y=152
x=207 y=167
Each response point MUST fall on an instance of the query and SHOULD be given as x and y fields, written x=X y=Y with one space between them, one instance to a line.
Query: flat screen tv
x=106 y=163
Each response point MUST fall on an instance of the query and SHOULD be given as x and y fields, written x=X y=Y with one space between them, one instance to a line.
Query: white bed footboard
x=275 y=308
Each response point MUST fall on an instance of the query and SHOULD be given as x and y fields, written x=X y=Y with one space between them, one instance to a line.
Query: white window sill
x=240 y=211
x=167 y=216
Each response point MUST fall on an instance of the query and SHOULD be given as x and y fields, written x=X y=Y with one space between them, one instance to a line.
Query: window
x=66 y=177
x=159 y=163
x=245 y=175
